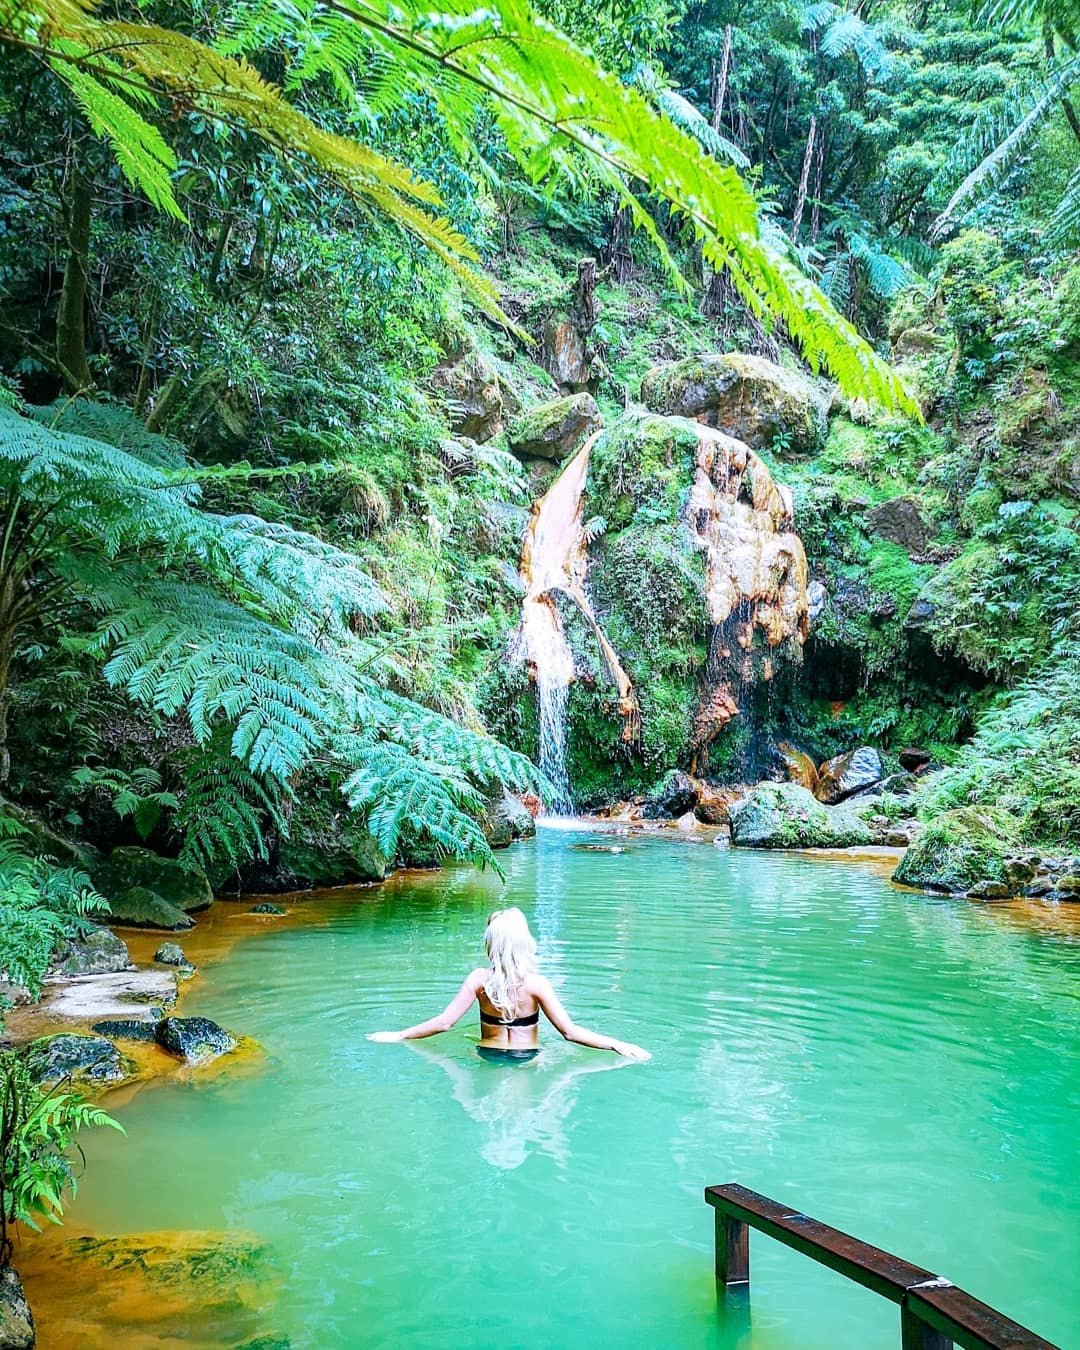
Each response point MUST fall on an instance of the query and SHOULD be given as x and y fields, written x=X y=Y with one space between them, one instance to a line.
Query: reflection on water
x=521 y=1107
x=901 y=1066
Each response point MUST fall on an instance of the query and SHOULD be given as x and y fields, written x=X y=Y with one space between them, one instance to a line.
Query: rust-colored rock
x=800 y=767
x=842 y=775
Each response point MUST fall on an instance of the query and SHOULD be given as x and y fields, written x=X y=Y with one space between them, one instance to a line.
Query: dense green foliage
x=259 y=526
x=37 y=1135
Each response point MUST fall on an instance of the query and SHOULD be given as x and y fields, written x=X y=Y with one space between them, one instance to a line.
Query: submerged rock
x=266 y=908
x=195 y=1039
x=672 y=797
x=959 y=849
x=158 y=1289
x=554 y=430
x=86 y=1059
x=98 y=953
x=843 y=775
x=747 y=397
x=785 y=815
x=16 y=1319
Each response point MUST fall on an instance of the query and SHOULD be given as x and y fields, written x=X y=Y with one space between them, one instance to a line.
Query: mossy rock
x=180 y=886
x=140 y=907
x=785 y=815
x=99 y=952
x=507 y=819
x=328 y=845
x=82 y=1059
x=554 y=430
x=748 y=397
x=16 y=1320
x=42 y=841
x=959 y=849
x=196 y=1040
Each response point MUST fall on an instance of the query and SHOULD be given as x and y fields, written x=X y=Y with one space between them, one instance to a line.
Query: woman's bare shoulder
x=537 y=985
x=477 y=978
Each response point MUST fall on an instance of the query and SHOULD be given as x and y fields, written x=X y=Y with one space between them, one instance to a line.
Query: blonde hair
x=511 y=950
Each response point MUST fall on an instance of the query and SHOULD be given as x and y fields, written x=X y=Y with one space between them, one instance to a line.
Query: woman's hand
x=630 y=1051
x=386 y=1036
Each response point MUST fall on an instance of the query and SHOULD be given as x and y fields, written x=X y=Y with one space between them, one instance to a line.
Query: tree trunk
x=720 y=87
x=618 y=257
x=800 y=199
x=585 y=308
x=7 y=649
x=71 y=315
x=815 y=200
x=1066 y=103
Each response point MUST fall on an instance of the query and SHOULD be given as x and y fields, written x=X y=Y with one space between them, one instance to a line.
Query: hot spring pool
x=901 y=1066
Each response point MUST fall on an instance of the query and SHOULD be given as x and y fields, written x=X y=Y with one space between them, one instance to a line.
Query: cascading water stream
x=555 y=559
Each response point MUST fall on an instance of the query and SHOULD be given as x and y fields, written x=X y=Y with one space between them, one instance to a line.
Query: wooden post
x=915 y=1334
x=732 y=1250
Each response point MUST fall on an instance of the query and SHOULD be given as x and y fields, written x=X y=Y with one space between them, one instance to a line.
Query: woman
x=511 y=994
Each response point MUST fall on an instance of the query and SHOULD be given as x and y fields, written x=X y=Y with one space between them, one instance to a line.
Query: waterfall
x=554 y=559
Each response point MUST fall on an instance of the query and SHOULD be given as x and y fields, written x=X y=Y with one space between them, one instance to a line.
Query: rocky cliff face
x=678 y=550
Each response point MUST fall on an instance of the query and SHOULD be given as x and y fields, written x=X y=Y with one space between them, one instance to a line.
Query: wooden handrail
x=934 y=1314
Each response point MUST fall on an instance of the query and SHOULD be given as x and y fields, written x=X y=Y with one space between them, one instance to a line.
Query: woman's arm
x=454 y=1011
x=561 y=1020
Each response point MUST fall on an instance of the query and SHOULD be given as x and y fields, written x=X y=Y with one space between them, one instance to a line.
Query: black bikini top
x=530 y=1021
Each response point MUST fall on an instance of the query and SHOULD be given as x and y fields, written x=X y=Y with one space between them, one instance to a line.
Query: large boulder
x=99 y=952
x=194 y=1039
x=83 y=1059
x=140 y=907
x=747 y=397
x=959 y=849
x=469 y=386
x=16 y=1320
x=843 y=775
x=506 y=819
x=785 y=815
x=181 y=886
x=672 y=797
x=327 y=845
x=554 y=430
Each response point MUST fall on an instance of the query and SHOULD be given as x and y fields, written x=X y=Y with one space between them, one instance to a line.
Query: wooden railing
x=934 y=1314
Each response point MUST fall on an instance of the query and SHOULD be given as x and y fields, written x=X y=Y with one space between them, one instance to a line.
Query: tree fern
x=552 y=103
x=251 y=633
x=1027 y=123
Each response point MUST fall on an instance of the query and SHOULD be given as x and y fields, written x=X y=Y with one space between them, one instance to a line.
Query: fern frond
x=991 y=171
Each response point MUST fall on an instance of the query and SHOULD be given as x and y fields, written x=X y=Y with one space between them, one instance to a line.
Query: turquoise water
x=901 y=1066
